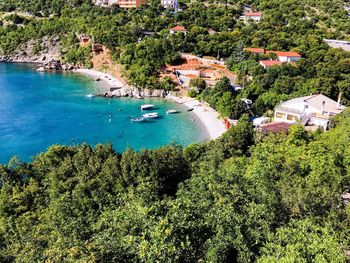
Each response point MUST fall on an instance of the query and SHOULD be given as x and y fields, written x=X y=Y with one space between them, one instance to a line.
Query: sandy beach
x=207 y=115
x=107 y=78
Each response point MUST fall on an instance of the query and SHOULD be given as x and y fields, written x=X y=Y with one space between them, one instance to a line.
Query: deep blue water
x=41 y=109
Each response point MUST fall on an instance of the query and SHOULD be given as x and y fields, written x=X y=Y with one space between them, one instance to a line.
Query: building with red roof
x=252 y=16
x=254 y=50
x=269 y=63
x=289 y=56
x=177 y=29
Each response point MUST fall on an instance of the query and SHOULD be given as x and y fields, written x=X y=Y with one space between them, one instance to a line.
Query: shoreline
x=209 y=118
x=108 y=79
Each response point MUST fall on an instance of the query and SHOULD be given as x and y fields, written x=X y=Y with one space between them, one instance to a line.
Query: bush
x=192 y=93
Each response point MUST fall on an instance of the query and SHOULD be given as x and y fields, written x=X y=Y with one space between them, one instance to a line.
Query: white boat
x=90 y=96
x=146 y=106
x=152 y=115
x=171 y=111
x=139 y=119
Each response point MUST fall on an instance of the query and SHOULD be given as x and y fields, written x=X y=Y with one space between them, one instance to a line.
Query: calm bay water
x=38 y=110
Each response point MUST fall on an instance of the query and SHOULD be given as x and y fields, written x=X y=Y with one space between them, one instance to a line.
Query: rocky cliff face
x=36 y=51
x=132 y=92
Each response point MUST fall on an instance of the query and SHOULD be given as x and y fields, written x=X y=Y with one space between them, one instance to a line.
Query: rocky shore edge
x=53 y=65
x=133 y=92
x=114 y=91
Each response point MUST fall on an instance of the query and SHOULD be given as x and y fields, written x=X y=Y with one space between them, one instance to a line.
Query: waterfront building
x=313 y=110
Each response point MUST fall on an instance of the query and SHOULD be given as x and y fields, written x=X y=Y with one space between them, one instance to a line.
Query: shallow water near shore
x=38 y=110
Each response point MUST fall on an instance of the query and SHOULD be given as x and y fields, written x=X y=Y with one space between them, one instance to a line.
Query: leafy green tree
x=239 y=138
x=199 y=84
x=302 y=241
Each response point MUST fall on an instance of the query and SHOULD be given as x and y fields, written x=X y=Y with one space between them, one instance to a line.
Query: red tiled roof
x=254 y=50
x=275 y=127
x=178 y=28
x=284 y=54
x=253 y=14
x=270 y=63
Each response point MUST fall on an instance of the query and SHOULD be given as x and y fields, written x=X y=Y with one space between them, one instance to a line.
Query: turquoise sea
x=41 y=109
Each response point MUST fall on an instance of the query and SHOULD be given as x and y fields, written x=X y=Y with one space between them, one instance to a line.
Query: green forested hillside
x=278 y=200
x=286 y=25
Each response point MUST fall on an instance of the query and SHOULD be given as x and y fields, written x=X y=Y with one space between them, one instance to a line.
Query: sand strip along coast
x=109 y=79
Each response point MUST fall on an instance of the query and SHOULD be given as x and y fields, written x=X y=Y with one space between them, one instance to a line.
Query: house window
x=292 y=117
x=280 y=115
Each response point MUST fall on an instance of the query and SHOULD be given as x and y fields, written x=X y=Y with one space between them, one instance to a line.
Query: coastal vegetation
x=241 y=198
x=244 y=197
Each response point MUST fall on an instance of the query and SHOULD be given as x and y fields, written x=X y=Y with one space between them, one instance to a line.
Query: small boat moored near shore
x=171 y=111
x=191 y=109
x=146 y=106
x=139 y=119
x=40 y=69
x=152 y=115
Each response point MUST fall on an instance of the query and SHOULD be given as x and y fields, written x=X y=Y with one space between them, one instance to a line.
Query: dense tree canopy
x=238 y=199
x=242 y=198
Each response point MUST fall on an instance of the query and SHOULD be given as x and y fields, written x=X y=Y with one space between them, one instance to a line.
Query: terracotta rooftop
x=284 y=54
x=275 y=127
x=178 y=29
x=253 y=14
x=270 y=63
x=254 y=50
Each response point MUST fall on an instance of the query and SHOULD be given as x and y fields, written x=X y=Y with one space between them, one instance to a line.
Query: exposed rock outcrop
x=132 y=92
x=55 y=65
x=36 y=51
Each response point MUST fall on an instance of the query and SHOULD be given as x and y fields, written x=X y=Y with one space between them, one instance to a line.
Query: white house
x=106 y=2
x=313 y=110
x=170 y=4
x=289 y=56
x=252 y=16
x=178 y=29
